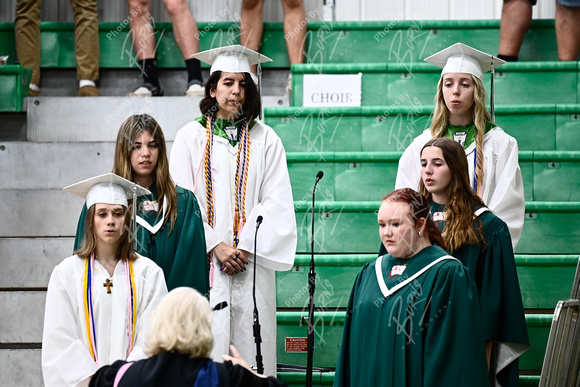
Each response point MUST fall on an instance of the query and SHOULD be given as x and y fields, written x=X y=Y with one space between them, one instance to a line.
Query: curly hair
x=461 y=199
x=181 y=323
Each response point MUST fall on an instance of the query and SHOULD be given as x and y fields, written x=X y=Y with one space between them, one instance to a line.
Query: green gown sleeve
x=454 y=347
x=190 y=266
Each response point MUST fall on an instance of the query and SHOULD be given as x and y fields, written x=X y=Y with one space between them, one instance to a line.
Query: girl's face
x=144 y=156
x=458 y=93
x=435 y=173
x=397 y=231
x=230 y=94
x=109 y=223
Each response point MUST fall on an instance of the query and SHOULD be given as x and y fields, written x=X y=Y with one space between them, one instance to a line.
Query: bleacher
x=68 y=139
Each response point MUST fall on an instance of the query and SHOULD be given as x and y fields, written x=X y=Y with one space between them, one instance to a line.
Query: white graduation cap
x=108 y=188
x=234 y=59
x=231 y=59
x=461 y=58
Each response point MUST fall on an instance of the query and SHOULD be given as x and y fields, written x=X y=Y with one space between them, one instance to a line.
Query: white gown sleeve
x=507 y=200
x=277 y=236
x=409 y=171
x=66 y=361
x=183 y=170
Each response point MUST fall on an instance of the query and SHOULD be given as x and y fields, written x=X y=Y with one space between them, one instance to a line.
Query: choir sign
x=332 y=90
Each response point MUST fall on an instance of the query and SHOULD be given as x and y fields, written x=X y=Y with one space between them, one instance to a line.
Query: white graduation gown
x=66 y=360
x=503 y=186
x=268 y=194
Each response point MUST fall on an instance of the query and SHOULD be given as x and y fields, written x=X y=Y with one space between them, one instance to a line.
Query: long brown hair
x=89 y=244
x=418 y=208
x=132 y=128
x=461 y=199
x=481 y=117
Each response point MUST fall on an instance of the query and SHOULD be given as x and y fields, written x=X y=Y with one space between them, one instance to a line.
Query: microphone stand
x=311 y=287
x=257 y=334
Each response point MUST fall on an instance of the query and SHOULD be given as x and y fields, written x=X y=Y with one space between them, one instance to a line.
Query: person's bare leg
x=295 y=28
x=142 y=32
x=184 y=27
x=567 y=31
x=516 y=17
x=252 y=25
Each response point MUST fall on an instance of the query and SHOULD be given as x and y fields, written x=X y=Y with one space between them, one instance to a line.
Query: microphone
x=318 y=177
x=257 y=334
x=311 y=288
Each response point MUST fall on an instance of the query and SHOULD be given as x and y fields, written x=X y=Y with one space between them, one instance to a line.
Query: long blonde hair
x=181 y=323
x=89 y=244
x=461 y=199
x=132 y=128
x=481 y=117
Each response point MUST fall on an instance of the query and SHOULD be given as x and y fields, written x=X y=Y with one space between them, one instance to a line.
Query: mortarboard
x=231 y=59
x=234 y=59
x=461 y=58
x=109 y=189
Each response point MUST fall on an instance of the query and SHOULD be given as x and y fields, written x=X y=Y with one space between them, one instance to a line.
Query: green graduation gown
x=426 y=331
x=494 y=272
x=181 y=253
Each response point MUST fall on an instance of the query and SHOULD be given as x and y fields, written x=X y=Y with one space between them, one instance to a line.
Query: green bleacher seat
x=299 y=378
x=347 y=175
x=556 y=176
x=567 y=127
x=415 y=83
x=410 y=41
x=350 y=176
x=329 y=326
x=14 y=81
x=544 y=280
x=391 y=129
x=549 y=227
x=327 y=378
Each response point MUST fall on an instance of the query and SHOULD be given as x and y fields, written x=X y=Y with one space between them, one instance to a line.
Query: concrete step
x=23 y=316
x=28 y=262
x=39 y=213
x=29 y=165
x=20 y=367
x=76 y=119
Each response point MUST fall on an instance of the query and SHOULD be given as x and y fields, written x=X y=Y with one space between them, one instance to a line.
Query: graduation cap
x=233 y=59
x=461 y=58
x=109 y=189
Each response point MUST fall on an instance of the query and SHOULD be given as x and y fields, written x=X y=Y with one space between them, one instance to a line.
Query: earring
x=420 y=233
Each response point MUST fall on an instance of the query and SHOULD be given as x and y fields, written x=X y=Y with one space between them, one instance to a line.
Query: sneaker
x=194 y=89
x=289 y=86
x=89 y=91
x=147 y=90
x=34 y=93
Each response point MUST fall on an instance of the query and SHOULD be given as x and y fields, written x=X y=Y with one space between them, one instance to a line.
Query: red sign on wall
x=296 y=344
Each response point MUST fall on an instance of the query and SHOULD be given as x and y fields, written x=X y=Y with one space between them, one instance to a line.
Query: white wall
x=346 y=10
